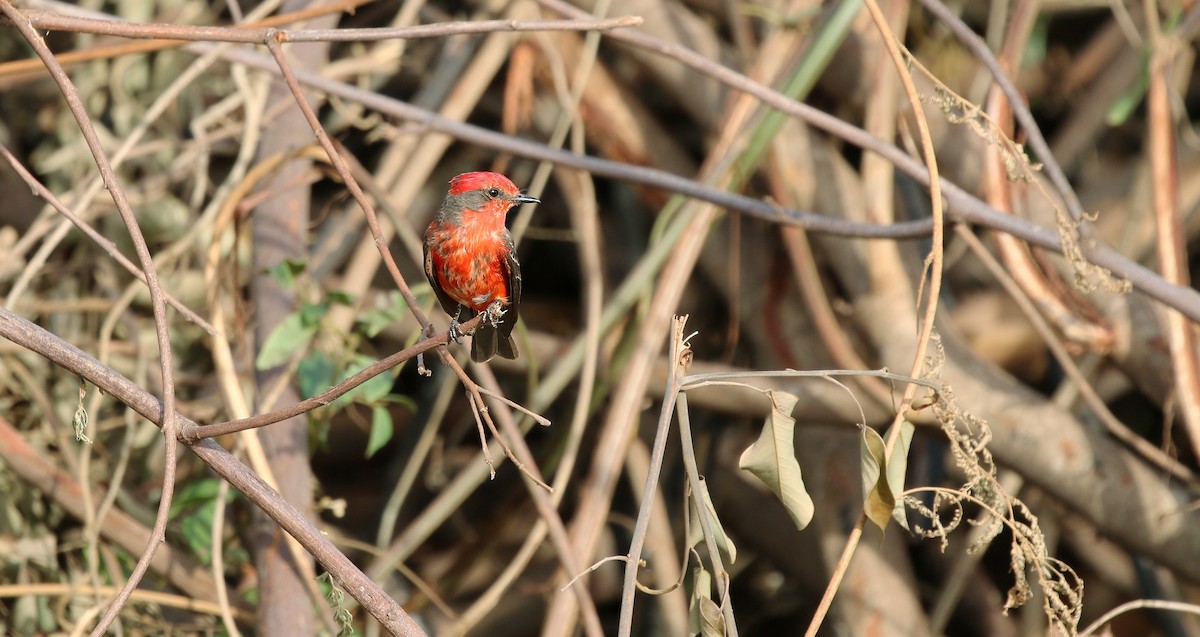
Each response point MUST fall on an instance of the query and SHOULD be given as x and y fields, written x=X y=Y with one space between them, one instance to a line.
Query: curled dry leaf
x=883 y=480
x=772 y=459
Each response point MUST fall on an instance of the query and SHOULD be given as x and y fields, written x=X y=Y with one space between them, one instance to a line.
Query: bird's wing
x=448 y=304
x=512 y=273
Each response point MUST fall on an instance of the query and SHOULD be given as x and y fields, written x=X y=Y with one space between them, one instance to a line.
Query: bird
x=471 y=262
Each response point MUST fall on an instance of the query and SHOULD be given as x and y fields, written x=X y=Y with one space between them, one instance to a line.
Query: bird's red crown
x=482 y=180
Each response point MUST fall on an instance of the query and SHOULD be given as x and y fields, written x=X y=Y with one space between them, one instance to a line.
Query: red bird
x=471 y=262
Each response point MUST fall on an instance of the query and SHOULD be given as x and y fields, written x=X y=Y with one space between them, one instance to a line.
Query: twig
x=194 y=432
x=1170 y=235
x=169 y=600
x=261 y=16
x=46 y=20
x=1159 y=604
x=538 y=418
x=1016 y=100
x=679 y=363
x=218 y=561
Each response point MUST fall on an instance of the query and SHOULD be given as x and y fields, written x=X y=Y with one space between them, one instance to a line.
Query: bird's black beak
x=525 y=199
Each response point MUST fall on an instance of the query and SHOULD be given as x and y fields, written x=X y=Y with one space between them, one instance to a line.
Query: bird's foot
x=456 y=333
x=494 y=313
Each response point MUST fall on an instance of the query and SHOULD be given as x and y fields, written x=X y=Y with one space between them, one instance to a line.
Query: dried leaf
x=772 y=459
x=897 y=467
x=883 y=481
x=878 y=501
x=696 y=530
x=704 y=615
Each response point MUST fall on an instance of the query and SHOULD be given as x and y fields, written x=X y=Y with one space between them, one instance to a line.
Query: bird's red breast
x=468 y=261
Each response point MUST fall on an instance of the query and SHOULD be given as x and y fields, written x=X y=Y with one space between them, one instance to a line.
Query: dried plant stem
x=933 y=294
x=1171 y=238
x=638 y=539
x=1158 y=604
x=248 y=34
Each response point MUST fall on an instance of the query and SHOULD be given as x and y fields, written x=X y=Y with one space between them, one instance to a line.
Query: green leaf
x=285 y=272
x=312 y=313
x=288 y=338
x=315 y=374
x=897 y=467
x=369 y=393
x=695 y=531
x=772 y=459
x=381 y=430
x=197 y=531
x=194 y=494
x=373 y=321
x=878 y=501
x=194 y=507
x=341 y=298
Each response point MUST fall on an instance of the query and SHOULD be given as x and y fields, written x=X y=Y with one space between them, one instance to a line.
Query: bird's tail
x=487 y=341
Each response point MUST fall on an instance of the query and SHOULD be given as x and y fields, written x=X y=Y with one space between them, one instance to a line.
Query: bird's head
x=484 y=192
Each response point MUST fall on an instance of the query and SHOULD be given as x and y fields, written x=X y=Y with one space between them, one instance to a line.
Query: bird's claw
x=456 y=333
x=495 y=312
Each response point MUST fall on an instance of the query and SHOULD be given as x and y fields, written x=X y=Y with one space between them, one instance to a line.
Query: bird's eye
x=493 y=192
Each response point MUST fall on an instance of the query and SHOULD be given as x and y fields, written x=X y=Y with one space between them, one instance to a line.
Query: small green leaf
x=695 y=530
x=194 y=507
x=878 y=500
x=772 y=459
x=381 y=430
x=341 y=298
x=194 y=494
x=369 y=393
x=315 y=374
x=312 y=313
x=197 y=531
x=373 y=321
x=285 y=272
x=288 y=338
